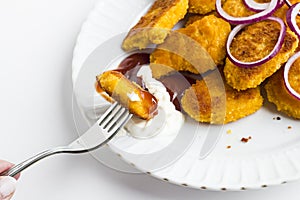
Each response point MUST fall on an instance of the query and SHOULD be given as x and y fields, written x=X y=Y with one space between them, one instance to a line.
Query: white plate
x=271 y=157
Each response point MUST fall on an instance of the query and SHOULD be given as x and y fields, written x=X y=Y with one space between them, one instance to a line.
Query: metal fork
x=98 y=135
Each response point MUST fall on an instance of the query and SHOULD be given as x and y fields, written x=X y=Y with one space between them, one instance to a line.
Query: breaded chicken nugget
x=192 y=19
x=215 y=103
x=139 y=101
x=182 y=49
x=278 y=94
x=253 y=43
x=195 y=17
x=236 y=8
x=281 y=12
x=154 y=26
x=202 y=6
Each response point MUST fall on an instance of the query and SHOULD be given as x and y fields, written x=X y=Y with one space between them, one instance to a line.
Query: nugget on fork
x=130 y=95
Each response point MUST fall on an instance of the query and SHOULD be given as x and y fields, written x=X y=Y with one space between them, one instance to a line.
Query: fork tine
x=115 y=117
x=109 y=113
x=120 y=123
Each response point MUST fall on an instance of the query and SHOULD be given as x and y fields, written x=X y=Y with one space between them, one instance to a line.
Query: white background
x=37 y=38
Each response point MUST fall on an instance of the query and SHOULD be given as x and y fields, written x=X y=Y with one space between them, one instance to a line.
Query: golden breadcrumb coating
x=253 y=43
x=202 y=6
x=130 y=95
x=281 y=12
x=236 y=8
x=206 y=101
x=185 y=45
x=278 y=94
x=294 y=76
x=154 y=26
x=195 y=17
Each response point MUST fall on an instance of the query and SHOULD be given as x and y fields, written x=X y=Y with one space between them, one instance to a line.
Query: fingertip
x=17 y=176
x=7 y=186
x=5 y=165
x=9 y=197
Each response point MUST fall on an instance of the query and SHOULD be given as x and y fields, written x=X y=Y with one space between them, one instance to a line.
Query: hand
x=7 y=183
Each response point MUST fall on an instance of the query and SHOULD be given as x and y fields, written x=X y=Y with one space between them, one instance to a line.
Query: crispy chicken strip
x=154 y=26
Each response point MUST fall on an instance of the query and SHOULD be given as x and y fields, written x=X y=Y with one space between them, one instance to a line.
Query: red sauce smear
x=175 y=83
x=130 y=66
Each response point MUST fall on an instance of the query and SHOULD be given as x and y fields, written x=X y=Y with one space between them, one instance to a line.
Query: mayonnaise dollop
x=168 y=121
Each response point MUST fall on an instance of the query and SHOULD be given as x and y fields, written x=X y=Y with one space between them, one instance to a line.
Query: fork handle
x=23 y=165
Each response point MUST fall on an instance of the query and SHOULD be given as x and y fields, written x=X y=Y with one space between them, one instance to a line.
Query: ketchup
x=175 y=83
x=130 y=66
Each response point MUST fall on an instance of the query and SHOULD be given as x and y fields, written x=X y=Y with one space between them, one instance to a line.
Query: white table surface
x=36 y=43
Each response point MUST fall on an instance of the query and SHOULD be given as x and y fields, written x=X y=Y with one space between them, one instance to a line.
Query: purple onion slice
x=273 y=5
x=291 y=15
x=254 y=6
x=288 y=3
x=287 y=68
x=273 y=53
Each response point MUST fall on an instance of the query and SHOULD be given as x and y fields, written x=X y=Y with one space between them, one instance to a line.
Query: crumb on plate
x=245 y=140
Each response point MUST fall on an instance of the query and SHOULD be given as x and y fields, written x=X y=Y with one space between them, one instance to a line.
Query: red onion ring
x=273 y=5
x=280 y=4
x=291 y=15
x=287 y=68
x=273 y=53
x=288 y=3
x=254 y=6
x=257 y=7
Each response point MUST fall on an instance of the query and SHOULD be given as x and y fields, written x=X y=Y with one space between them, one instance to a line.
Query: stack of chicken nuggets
x=199 y=48
x=255 y=42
